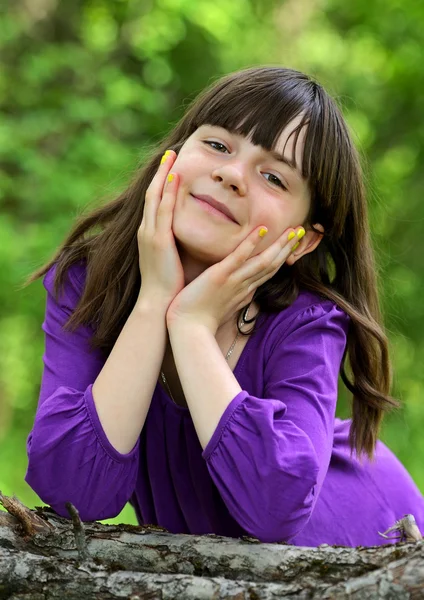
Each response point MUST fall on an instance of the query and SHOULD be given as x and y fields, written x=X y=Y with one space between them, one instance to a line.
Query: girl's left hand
x=225 y=287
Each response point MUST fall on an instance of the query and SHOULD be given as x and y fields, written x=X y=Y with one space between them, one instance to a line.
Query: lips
x=218 y=205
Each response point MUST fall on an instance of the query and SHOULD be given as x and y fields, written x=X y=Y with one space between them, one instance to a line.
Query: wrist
x=185 y=324
x=151 y=304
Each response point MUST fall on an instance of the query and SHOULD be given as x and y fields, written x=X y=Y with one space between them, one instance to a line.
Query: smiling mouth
x=212 y=210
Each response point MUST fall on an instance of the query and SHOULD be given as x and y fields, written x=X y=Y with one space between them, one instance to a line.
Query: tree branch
x=108 y=561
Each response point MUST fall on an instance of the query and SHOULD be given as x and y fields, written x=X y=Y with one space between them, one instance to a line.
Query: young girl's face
x=253 y=184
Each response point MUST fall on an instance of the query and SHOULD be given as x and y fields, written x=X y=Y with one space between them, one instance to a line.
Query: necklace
x=243 y=322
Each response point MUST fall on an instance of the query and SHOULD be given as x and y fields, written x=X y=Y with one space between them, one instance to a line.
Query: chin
x=199 y=248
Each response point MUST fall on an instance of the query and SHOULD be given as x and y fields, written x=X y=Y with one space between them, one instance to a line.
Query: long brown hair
x=341 y=268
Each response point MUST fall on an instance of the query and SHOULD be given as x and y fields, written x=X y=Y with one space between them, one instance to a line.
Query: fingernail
x=301 y=233
x=295 y=246
x=291 y=235
x=263 y=231
x=165 y=156
x=170 y=177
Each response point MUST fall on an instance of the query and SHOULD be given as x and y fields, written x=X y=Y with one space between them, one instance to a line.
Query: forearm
x=124 y=388
x=259 y=450
x=208 y=382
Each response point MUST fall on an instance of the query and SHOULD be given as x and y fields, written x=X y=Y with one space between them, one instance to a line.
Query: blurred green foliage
x=86 y=87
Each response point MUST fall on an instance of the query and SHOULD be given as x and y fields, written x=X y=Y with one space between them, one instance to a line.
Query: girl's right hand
x=162 y=274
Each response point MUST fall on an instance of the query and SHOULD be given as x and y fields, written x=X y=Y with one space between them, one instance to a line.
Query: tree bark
x=44 y=556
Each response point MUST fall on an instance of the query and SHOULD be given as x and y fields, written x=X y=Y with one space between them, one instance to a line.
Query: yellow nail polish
x=262 y=231
x=165 y=156
x=295 y=246
x=170 y=177
x=291 y=235
x=301 y=233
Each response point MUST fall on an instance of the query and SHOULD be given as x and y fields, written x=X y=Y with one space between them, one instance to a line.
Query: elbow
x=57 y=498
x=282 y=523
x=67 y=463
x=56 y=485
x=285 y=504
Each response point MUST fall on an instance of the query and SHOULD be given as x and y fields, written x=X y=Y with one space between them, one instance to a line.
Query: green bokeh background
x=87 y=86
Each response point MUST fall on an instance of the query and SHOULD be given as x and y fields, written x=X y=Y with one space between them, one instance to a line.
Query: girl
x=155 y=392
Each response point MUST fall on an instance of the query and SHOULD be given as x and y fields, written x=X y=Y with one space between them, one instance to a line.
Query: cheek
x=263 y=213
x=184 y=165
x=275 y=216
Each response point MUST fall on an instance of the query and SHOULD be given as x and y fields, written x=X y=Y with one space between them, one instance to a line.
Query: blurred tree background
x=87 y=86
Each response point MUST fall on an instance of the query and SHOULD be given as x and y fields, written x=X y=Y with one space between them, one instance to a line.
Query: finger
x=278 y=252
x=236 y=266
x=283 y=246
x=239 y=256
x=283 y=253
x=269 y=271
x=260 y=261
x=263 y=264
x=154 y=192
x=165 y=212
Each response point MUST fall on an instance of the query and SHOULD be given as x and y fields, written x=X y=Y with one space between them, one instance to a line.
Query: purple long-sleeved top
x=277 y=467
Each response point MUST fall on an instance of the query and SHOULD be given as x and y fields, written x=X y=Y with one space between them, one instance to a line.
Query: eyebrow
x=280 y=158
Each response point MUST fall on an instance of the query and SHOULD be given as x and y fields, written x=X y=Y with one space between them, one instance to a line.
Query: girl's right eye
x=217 y=143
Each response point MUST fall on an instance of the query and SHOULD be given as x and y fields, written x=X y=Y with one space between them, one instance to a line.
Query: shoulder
x=72 y=286
x=310 y=306
x=309 y=312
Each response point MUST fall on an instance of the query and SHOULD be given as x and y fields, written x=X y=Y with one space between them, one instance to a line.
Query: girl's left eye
x=279 y=184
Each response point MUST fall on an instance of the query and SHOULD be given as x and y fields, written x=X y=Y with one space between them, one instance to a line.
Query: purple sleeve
x=269 y=456
x=70 y=458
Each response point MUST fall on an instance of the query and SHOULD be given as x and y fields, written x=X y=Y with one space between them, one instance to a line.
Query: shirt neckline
x=184 y=409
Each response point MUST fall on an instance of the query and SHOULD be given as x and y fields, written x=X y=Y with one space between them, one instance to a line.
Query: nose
x=232 y=176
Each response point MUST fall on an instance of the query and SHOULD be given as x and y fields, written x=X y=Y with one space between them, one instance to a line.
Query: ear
x=307 y=244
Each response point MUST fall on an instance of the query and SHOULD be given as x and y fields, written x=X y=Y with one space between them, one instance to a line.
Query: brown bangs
x=262 y=112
